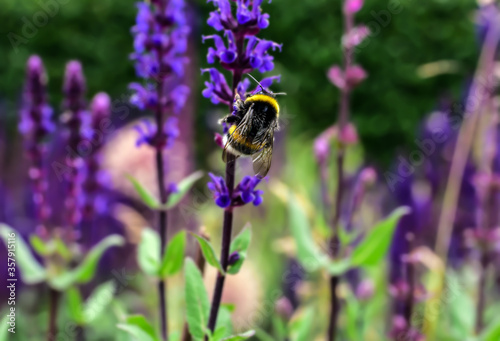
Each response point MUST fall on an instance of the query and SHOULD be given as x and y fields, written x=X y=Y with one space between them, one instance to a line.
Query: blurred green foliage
x=387 y=107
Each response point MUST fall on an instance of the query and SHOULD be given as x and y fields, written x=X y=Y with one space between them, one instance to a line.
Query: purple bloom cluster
x=95 y=178
x=243 y=194
x=237 y=49
x=160 y=42
x=148 y=133
x=36 y=125
x=77 y=121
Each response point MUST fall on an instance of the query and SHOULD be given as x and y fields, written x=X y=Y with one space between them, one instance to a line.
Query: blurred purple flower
x=95 y=179
x=148 y=133
x=36 y=126
x=77 y=121
x=365 y=290
x=284 y=308
x=400 y=330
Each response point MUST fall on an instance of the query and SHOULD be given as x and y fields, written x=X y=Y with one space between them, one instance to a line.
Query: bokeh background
x=419 y=61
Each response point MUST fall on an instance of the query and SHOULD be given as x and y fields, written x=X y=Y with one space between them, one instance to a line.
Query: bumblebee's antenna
x=256 y=81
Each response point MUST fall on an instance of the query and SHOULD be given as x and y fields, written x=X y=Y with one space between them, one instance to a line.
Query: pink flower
x=355 y=75
x=355 y=36
x=350 y=79
x=352 y=6
x=336 y=76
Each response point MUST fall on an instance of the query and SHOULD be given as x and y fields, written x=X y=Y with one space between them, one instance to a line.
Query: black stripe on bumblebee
x=251 y=129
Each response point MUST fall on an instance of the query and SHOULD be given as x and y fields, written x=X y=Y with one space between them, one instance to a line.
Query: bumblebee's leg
x=231 y=119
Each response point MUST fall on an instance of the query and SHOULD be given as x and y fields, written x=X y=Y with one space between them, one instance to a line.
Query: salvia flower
x=249 y=17
x=95 y=179
x=36 y=125
x=220 y=191
x=160 y=43
x=148 y=133
x=76 y=119
x=237 y=48
x=244 y=193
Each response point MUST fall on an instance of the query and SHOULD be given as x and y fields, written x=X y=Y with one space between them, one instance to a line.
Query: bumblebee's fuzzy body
x=251 y=131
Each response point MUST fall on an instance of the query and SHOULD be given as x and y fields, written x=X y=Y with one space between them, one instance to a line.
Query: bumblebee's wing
x=262 y=159
x=241 y=130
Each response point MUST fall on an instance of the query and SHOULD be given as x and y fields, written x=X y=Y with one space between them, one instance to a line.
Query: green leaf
x=31 y=271
x=38 y=244
x=146 y=196
x=279 y=327
x=86 y=269
x=300 y=328
x=197 y=304
x=492 y=332
x=4 y=331
x=240 y=243
x=263 y=336
x=148 y=252
x=75 y=305
x=239 y=337
x=175 y=336
x=139 y=328
x=174 y=257
x=183 y=187
x=209 y=253
x=352 y=313
x=224 y=320
x=461 y=309
x=375 y=244
x=218 y=334
x=308 y=253
x=98 y=300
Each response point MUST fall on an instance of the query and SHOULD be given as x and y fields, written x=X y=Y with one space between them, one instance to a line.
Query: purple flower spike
x=220 y=191
x=77 y=120
x=160 y=42
x=95 y=179
x=238 y=56
x=36 y=126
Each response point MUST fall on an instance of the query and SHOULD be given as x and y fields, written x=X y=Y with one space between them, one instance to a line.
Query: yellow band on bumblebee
x=264 y=98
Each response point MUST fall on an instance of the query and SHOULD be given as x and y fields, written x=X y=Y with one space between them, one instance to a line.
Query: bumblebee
x=251 y=129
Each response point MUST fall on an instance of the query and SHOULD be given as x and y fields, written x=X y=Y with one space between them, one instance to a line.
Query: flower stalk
x=160 y=42
x=243 y=53
x=345 y=80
